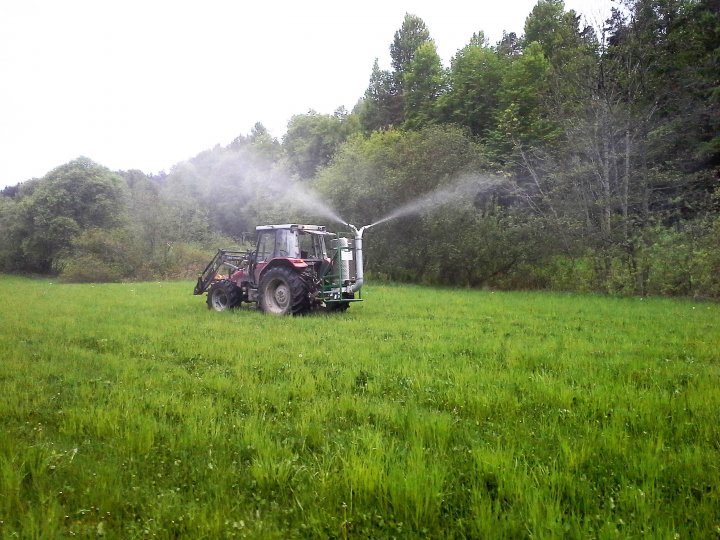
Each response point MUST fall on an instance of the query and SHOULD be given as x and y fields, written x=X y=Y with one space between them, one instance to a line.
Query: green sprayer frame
x=338 y=280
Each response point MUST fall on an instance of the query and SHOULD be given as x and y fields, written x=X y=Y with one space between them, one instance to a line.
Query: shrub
x=99 y=255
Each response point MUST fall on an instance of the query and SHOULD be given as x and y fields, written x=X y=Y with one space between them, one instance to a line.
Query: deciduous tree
x=424 y=82
x=475 y=77
x=73 y=197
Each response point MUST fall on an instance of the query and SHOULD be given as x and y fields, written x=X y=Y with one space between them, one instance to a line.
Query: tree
x=11 y=221
x=264 y=145
x=654 y=113
x=509 y=45
x=556 y=30
x=674 y=43
x=312 y=139
x=381 y=106
x=476 y=73
x=152 y=224
x=424 y=82
x=412 y=34
x=523 y=119
x=71 y=198
x=384 y=102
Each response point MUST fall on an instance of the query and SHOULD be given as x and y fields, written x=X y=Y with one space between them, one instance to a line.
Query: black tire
x=283 y=292
x=223 y=295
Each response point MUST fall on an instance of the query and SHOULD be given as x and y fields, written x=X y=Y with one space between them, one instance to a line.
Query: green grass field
x=132 y=411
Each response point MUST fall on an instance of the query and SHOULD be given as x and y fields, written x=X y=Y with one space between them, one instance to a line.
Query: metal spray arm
x=359 y=279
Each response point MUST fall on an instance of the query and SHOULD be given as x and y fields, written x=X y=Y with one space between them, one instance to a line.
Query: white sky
x=144 y=84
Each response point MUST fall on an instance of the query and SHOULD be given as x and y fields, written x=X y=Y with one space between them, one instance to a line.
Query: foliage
x=416 y=72
x=522 y=118
x=478 y=249
x=475 y=76
x=412 y=35
x=11 y=221
x=371 y=176
x=99 y=255
x=423 y=83
x=465 y=234
x=658 y=261
x=78 y=195
x=312 y=139
x=381 y=105
x=557 y=31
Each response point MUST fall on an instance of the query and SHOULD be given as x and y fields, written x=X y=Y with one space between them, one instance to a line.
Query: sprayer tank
x=345 y=256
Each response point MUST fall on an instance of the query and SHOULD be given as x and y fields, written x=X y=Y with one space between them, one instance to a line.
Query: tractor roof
x=308 y=228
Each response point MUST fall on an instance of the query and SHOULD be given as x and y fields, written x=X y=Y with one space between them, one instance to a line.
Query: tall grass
x=131 y=411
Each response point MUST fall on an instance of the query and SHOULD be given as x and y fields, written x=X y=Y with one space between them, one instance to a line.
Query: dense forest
x=577 y=158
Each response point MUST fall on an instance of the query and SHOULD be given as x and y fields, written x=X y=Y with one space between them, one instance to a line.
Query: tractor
x=290 y=271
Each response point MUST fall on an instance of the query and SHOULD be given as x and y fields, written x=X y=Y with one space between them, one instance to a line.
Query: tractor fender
x=292 y=264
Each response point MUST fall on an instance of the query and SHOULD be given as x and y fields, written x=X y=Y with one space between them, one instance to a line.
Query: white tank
x=345 y=257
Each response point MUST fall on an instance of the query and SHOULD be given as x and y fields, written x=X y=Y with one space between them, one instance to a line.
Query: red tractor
x=289 y=272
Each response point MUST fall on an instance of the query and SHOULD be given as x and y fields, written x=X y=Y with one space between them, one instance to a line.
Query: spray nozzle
x=358 y=232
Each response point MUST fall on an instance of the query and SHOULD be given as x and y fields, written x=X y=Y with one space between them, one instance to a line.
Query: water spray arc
x=465 y=186
x=290 y=271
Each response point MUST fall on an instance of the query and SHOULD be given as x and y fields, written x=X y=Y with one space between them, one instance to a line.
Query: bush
x=562 y=273
x=684 y=262
x=707 y=258
x=99 y=255
x=93 y=269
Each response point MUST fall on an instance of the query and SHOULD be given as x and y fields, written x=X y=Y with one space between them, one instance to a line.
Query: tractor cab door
x=263 y=253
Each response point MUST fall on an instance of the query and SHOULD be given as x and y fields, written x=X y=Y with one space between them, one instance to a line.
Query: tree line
x=596 y=153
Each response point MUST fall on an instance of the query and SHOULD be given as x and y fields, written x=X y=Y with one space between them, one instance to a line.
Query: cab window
x=312 y=246
x=286 y=244
x=266 y=246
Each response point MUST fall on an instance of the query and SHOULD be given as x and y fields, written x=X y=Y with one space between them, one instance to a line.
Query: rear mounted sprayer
x=358 y=257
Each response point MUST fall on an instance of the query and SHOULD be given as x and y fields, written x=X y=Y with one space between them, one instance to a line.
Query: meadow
x=132 y=411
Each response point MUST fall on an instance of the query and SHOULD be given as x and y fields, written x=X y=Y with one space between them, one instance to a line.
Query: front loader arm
x=224 y=257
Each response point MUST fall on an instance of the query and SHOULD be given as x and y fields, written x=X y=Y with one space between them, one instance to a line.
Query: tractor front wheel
x=283 y=292
x=223 y=295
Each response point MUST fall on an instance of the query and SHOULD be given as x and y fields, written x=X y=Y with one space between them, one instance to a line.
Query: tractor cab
x=292 y=242
x=299 y=246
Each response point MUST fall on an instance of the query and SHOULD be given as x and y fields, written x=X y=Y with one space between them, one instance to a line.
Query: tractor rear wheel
x=283 y=292
x=223 y=295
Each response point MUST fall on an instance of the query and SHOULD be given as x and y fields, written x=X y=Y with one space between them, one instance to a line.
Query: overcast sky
x=144 y=84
